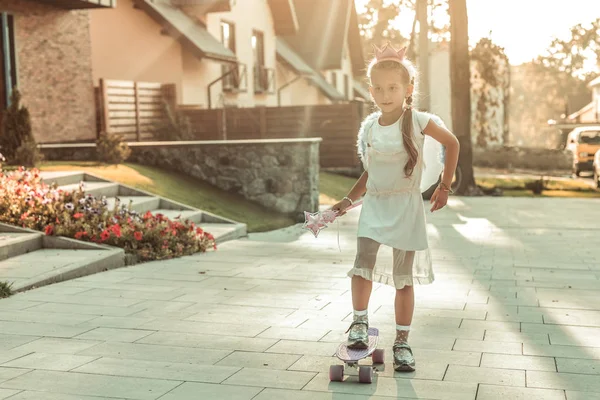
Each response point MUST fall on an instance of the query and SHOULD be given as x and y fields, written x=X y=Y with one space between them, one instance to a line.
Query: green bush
x=5 y=289
x=16 y=138
x=111 y=149
x=27 y=154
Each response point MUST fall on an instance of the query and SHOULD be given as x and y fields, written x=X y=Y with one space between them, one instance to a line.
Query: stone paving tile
x=492 y=376
x=10 y=373
x=210 y=341
x=494 y=392
x=56 y=346
x=196 y=391
x=508 y=361
x=8 y=342
x=36 y=329
x=115 y=335
x=31 y=395
x=149 y=352
x=561 y=351
x=94 y=385
x=245 y=359
x=576 y=395
x=578 y=366
x=158 y=370
x=520 y=337
x=6 y=393
x=488 y=346
x=270 y=378
x=565 y=381
x=47 y=361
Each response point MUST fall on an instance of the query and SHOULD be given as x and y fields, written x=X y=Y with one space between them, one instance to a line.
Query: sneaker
x=359 y=336
x=404 y=361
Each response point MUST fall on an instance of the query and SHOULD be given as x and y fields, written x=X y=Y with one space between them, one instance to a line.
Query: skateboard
x=351 y=357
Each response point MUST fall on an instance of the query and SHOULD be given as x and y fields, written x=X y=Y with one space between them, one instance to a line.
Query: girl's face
x=389 y=89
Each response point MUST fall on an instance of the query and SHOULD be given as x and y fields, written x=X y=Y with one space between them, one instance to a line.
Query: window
x=346 y=86
x=261 y=76
x=334 y=79
x=228 y=39
x=8 y=75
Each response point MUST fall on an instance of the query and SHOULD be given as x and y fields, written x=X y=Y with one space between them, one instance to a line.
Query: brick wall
x=54 y=70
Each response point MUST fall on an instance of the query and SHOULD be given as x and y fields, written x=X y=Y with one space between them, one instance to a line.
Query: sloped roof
x=188 y=31
x=284 y=15
x=287 y=54
x=324 y=27
x=80 y=4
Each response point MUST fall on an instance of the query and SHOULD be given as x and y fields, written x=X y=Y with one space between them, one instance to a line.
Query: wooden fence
x=132 y=109
x=337 y=124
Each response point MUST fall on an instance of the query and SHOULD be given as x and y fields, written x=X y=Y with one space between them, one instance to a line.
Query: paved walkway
x=514 y=314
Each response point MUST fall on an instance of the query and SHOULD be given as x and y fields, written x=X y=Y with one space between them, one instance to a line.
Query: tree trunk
x=460 y=89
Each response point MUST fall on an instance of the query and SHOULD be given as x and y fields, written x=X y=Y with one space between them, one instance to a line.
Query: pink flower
x=49 y=230
x=104 y=235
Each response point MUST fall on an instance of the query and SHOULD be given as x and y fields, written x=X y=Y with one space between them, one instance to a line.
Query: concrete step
x=46 y=266
x=224 y=232
x=62 y=178
x=194 y=216
x=96 y=189
x=141 y=204
x=13 y=244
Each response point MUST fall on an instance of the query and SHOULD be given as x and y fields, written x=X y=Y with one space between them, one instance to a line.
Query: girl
x=399 y=148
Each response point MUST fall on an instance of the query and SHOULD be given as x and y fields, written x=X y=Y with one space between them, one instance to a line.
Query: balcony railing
x=237 y=80
x=264 y=79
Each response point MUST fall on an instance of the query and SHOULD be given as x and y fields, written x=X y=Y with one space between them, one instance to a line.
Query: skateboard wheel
x=378 y=356
x=336 y=373
x=365 y=374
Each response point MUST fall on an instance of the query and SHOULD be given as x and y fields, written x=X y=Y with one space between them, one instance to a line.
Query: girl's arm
x=450 y=142
x=357 y=191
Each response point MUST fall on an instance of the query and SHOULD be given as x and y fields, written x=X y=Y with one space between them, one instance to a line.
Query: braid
x=407 y=139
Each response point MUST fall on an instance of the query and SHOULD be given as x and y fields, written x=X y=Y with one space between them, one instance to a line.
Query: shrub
x=16 y=139
x=111 y=149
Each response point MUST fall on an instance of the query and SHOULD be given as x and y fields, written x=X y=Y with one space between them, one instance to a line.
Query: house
x=590 y=113
x=46 y=54
x=221 y=53
x=325 y=56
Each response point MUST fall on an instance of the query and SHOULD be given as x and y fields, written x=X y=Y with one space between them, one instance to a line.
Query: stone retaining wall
x=538 y=159
x=281 y=174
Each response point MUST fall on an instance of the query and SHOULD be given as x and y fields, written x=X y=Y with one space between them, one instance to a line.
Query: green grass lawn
x=183 y=189
x=334 y=187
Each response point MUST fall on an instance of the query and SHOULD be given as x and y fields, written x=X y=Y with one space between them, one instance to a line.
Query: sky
x=524 y=28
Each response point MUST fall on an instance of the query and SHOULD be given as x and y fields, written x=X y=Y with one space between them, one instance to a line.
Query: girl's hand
x=439 y=199
x=340 y=207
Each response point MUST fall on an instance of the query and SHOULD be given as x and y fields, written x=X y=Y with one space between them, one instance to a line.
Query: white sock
x=402 y=332
x=362 y=313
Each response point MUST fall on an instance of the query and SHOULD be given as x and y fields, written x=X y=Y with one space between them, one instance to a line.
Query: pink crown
x=388 y=53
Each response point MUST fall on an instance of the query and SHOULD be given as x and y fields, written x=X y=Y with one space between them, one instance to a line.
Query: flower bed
x=27 y=202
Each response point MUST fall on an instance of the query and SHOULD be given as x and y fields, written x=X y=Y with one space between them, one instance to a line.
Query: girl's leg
x=404 y=307
x=361 y=292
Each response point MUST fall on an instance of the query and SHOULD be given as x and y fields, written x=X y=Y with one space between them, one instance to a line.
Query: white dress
x=393 y=212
